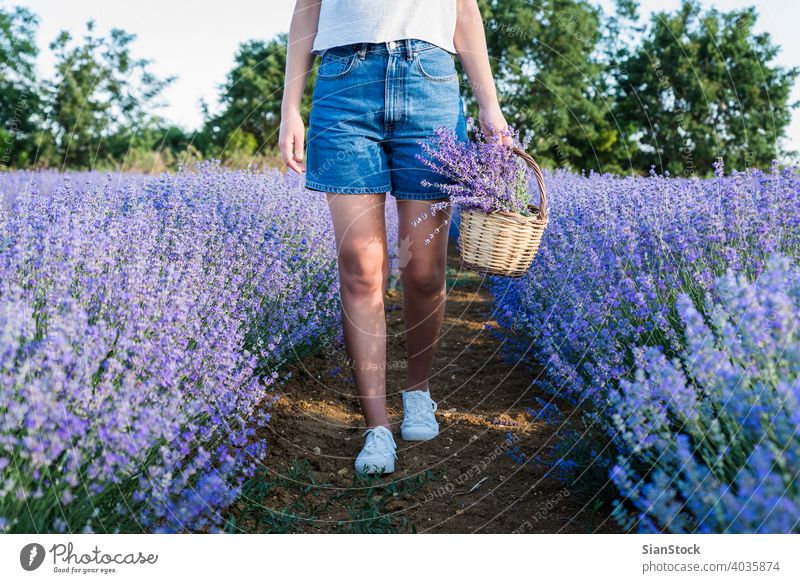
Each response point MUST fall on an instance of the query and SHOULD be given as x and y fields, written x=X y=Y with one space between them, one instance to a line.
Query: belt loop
x=409 y=51
x=362 y=52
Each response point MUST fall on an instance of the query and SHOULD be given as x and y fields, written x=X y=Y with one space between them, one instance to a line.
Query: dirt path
x=475 y=477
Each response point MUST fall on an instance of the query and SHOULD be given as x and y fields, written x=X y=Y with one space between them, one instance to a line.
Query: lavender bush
x=619 y=261
x=144 y=324
x=709 y=440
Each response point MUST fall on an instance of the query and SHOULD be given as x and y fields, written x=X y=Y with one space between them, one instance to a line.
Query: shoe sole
x=414 y=434
x=371 y=470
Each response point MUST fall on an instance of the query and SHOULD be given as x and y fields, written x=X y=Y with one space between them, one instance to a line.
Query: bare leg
x=424 y=286
x=360 y=227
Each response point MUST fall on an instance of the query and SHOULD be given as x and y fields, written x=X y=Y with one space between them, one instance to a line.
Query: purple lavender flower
x=483 y=174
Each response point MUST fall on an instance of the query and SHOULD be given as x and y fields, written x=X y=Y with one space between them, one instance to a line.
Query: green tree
x=550 y=81
x=702 y=86
x=102 y=100
x=250 y=99
x=20 y=103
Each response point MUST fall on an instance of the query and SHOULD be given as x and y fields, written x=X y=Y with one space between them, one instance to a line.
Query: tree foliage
x=593 y=90
x=20 y=99
x=101 y=99
x=250 y=99
x=702 y=86
x=544 y=55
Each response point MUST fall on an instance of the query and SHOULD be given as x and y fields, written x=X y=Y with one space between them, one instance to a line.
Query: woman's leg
x=424 y=286
x=360 y=227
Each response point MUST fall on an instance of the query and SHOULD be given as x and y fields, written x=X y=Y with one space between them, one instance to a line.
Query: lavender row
x=654 y=311
x=144 y=325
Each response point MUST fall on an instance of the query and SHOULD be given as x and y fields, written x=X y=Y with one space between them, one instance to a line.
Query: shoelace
x=419 y=406
x=373 y=435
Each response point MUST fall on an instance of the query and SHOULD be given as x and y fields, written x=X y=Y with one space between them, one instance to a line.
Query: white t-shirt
x=344 y=22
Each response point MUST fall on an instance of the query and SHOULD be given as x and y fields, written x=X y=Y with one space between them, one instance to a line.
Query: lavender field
x=146 y=323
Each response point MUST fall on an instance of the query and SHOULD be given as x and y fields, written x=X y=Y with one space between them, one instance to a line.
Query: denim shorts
x=372 y=103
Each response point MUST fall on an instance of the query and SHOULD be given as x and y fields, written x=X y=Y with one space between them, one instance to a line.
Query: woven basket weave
x=501 y=242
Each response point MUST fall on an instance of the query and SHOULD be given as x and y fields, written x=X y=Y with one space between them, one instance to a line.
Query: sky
x=196 y=40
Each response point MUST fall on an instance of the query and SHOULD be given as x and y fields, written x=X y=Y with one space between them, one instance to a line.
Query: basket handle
x=537 y=172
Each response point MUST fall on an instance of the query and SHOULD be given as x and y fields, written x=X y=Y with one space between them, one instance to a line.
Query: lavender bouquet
x=484 y=173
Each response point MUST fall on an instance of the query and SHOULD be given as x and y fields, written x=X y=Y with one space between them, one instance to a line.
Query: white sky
x=196 y=40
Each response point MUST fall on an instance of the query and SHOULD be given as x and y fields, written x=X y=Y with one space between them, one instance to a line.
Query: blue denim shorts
x=372 y=102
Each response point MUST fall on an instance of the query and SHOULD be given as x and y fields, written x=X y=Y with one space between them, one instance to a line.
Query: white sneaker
x=379 y=452
x=419 y=420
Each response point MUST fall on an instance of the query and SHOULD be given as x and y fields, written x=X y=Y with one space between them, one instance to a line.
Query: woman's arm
x=470 y=41
x=299 y=59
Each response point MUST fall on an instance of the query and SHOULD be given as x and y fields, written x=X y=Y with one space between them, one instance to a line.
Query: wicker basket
x=501 y=242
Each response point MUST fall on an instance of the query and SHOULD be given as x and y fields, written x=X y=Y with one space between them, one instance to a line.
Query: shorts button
x=392 y=44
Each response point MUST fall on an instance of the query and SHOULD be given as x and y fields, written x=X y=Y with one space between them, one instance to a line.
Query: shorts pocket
x=336 y=64
x=436 y=65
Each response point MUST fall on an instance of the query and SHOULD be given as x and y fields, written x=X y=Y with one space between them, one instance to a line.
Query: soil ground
x=483 y=473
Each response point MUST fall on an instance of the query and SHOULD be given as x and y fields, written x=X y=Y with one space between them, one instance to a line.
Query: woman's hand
x=299 y=59
x=494 y=117
x=470 y=43
x=291 y=140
